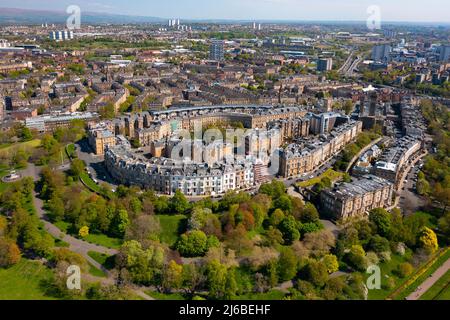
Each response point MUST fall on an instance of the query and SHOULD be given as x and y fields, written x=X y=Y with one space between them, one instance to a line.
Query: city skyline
x=290 y=10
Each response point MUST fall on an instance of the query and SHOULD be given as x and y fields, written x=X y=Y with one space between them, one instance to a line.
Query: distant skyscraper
x=445 y=53
x=324 y=64
x=216 y=50
x=254 y=25
x=381 y=53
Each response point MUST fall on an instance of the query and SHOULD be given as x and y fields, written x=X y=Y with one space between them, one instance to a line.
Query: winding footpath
x=76 y=245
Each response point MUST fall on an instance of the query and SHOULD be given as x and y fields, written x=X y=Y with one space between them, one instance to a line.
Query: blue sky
x=391 y=10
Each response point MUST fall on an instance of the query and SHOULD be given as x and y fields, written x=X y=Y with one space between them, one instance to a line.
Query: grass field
x=330 y=173
x=104 y=240
x=104 y=259
x=24 y=281
x=163 y=296
x=12 y=148
x=96 y=272
x=70 y=150
x=171 y=227
x=90 y=183
x=440 y=290
x=388 y=271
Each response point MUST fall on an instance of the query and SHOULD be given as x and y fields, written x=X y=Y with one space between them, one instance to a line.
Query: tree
x=144 y=265
x=193 y=244
x=316 y=273
x=274 y=236
x=428 y=240
x=379 y=244
x=179 y=203
x=348 y=107
x=9 y=253
x=331 y=263
x=217 y=279
x=444 y=224
x=77 y=168
x=357 y=258
x=287 y=264
x=309 y=214
x=405 y=269
x=25 y=134
x=381 y=220
x=319 y=243
x=289 y=229
x=193 y=278
x=283 y=203
x=274 y=189
x=83 y=232
x=276 y=217
x=172 y=276
x=120 y=223
x=423 y=187
x=231 y=286
x=56 y=207
x=143 y=228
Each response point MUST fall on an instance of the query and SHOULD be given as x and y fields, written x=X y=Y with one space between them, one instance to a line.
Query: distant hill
x=25 y=16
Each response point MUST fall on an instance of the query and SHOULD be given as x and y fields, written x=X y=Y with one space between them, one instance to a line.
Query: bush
x=193 y=244
x=404 y=270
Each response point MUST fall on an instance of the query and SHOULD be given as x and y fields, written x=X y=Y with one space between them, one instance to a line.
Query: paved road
x=430 y=281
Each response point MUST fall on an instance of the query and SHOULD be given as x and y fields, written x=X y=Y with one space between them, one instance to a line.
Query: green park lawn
x=440 y=290
x=104 y=240
x=90 y=183
x=26 y=146
x=171 y=227
x=165 y=296
x=24 y=281
x=388 y=271
x=96 y=272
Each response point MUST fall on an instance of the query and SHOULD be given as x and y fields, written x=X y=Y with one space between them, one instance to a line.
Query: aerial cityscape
x=232 y=150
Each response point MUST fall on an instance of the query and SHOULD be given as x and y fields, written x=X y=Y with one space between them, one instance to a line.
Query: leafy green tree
x=217 y=279
x=172 y=276
x=276 y=217
x=283 y=203
x=357 y=258
x=77 y=168
x=120 y=223
x=274 y=189
x=231 y=285
x=309 y=213
x=287 y=264
x=381 y=220
x=143 y=265
x=289 y=229
x=179 y=203
x=25 y=134
x=331 y=263
x=193 y=244
x=316 y=273
x=379 y=244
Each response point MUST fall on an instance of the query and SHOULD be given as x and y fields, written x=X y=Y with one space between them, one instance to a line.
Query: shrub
x=405 y=269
